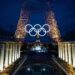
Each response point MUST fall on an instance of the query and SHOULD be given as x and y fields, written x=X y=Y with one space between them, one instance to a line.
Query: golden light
x=54 y=32
x=20 y=31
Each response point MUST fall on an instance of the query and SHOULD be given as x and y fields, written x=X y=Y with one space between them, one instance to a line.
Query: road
x=39 y=64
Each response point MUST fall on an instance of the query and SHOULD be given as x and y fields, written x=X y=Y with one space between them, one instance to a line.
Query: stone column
x=1 y=57
x=63 y=48
x=69 y=53
x=66 y=53
x=6 y=56
x=10 y=53
x=15 y=50
x=73 y=54
x=59 y=48
x=19 y=49
x=13 y=53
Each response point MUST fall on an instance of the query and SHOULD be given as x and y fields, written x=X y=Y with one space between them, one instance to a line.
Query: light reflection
x=39 y=49
x=44 y=69
x=28 y=69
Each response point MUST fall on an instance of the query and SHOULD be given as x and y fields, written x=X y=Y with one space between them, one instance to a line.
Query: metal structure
x=23 y=20
x=54 y=31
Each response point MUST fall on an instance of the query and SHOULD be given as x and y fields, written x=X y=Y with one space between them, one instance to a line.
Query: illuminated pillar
x=1 y=57
x=6 y=56
x=10 y=53
x=63 y=49
x=13 y=53
x=1 y=67
x=59 y=48
x=60 y=51
x=69 y=53
x=66 y=53
x=15 y=50
x=73 y=54
x=19 y=49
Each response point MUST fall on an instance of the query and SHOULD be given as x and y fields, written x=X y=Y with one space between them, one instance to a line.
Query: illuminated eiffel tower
x=23 y=20
x=50 y=19
x=54 y=31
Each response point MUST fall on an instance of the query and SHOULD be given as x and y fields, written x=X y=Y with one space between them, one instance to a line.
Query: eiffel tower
x=50 y=19
x=23 y=20
x=54 y=32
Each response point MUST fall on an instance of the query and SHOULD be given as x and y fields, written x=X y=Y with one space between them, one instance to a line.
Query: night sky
x=64 y=12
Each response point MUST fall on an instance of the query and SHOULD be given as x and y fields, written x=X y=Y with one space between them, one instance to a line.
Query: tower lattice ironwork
x=54 y=31
x=23 y=20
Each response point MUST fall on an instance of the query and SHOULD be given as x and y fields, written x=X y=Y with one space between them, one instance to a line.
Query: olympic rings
x=37 y=29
